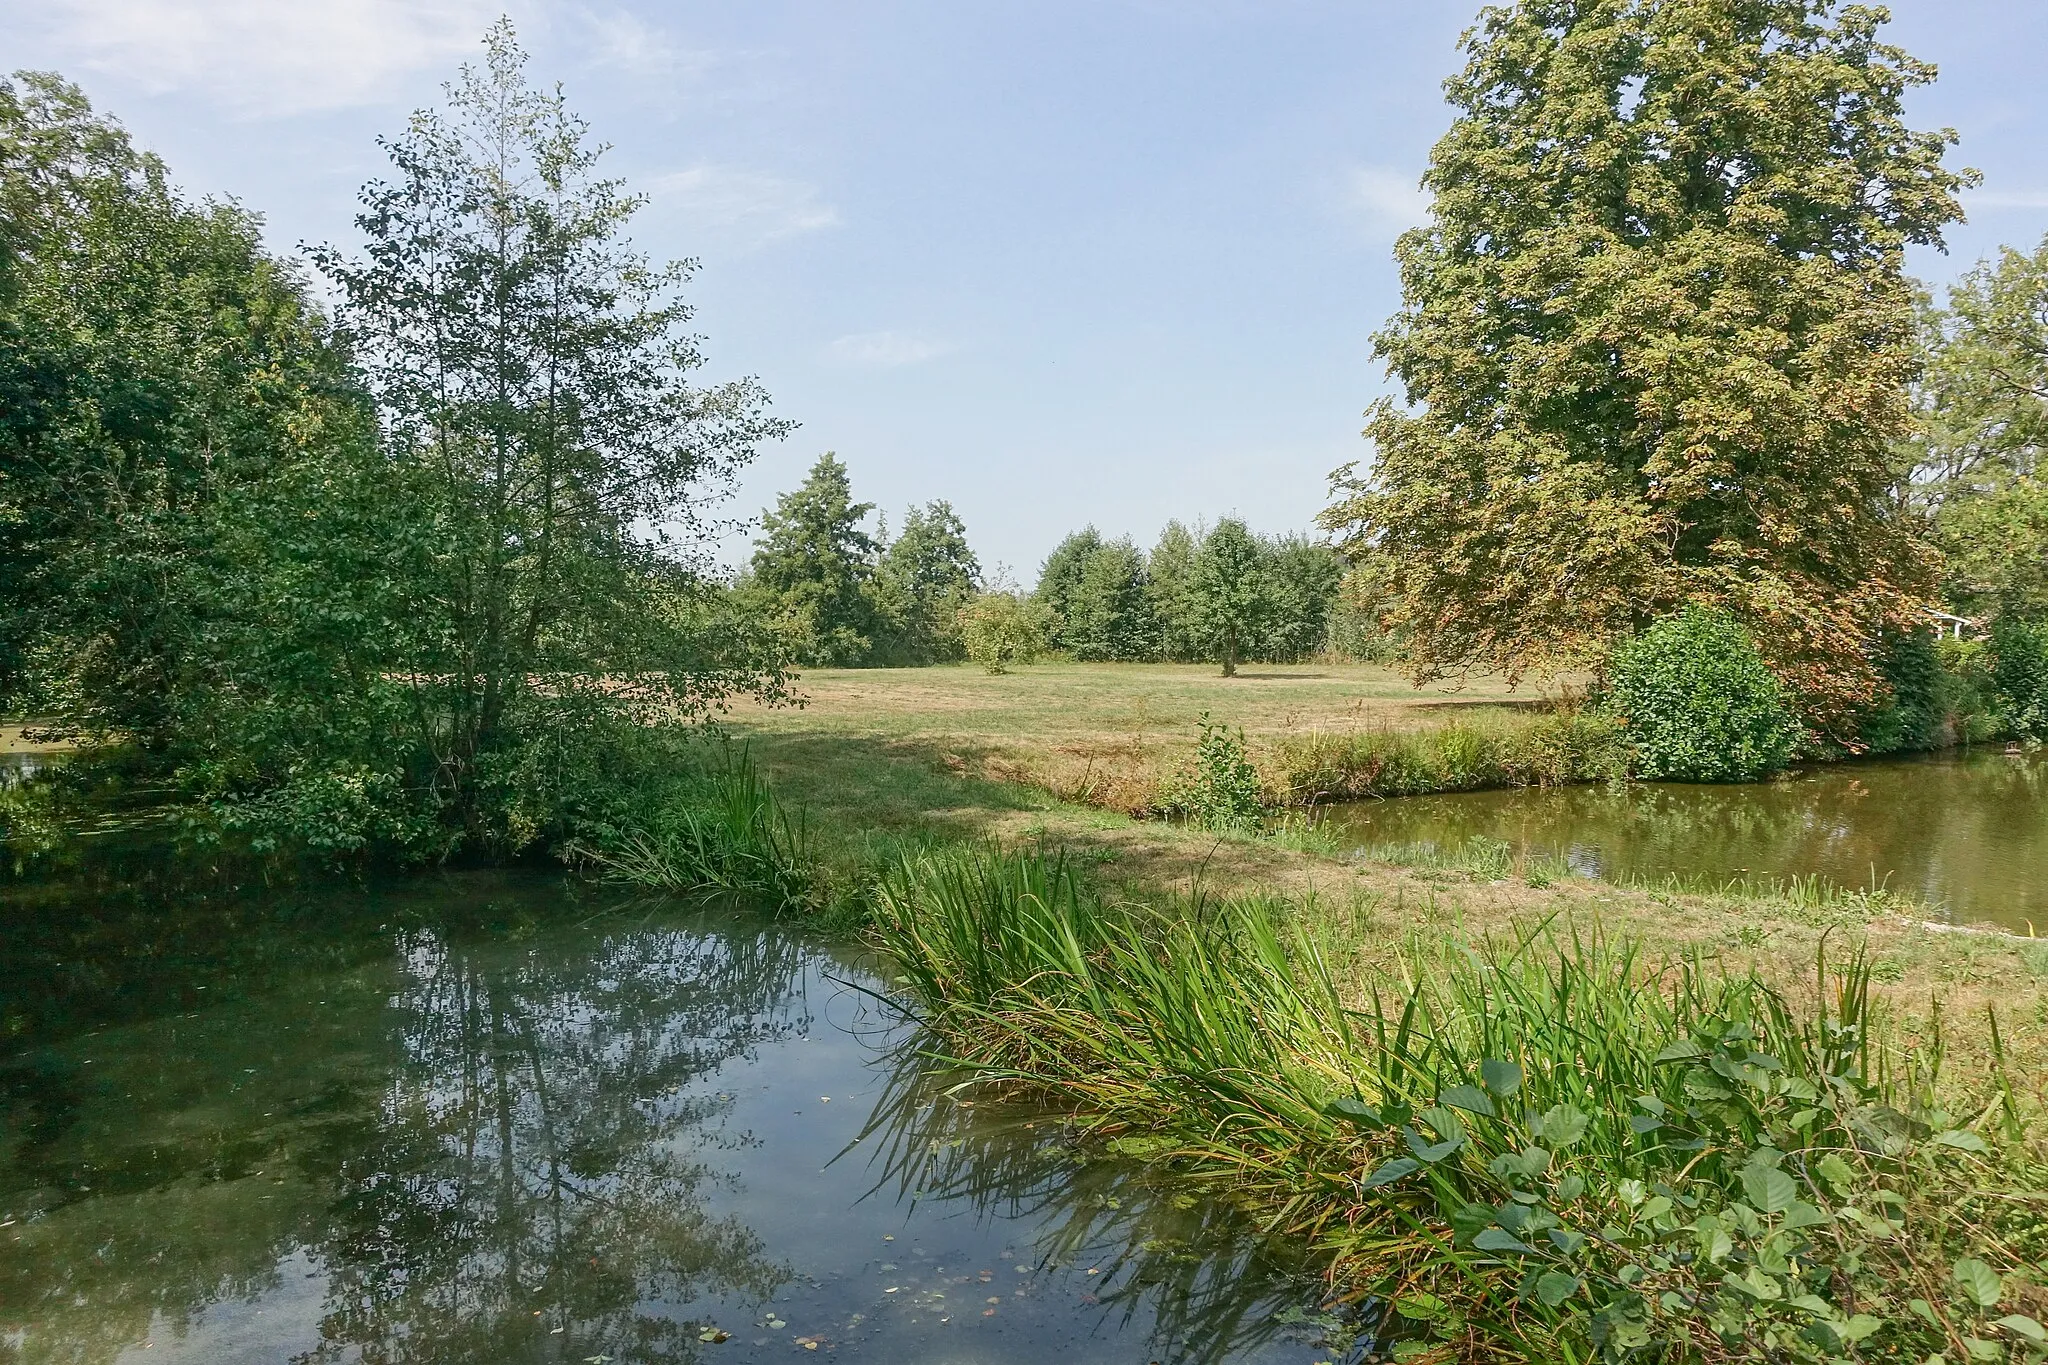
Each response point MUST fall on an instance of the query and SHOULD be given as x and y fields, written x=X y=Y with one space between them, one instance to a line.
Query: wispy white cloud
x=1385 y=202
x=887 y=350
x=262 y=57
x=2007 y=199
x=752 y=207
x=620 y=41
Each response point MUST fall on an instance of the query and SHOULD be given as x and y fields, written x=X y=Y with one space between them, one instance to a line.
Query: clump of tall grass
x=1486 y=749
x=1547 y=1148
x=722 y=831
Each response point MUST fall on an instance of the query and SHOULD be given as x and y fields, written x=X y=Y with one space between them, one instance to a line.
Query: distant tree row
x=839 y=597
x=1222 y=595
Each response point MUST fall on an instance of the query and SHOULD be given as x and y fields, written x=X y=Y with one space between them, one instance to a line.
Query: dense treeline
x=837 y=596
x=1218 y=594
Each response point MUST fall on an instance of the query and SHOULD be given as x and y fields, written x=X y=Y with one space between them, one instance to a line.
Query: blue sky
x=1056 y=261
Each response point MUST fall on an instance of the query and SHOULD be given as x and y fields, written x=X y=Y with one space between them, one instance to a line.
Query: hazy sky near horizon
x=1055 y=261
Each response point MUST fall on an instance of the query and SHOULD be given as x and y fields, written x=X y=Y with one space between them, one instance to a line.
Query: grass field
x=882 y=758
x=1099 y=734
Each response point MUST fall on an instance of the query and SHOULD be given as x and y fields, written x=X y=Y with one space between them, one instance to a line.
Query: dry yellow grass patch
x=1104 y=734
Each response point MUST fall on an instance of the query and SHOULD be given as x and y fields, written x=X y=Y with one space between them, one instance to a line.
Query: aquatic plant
x=1549 y=1147
x=721 y=830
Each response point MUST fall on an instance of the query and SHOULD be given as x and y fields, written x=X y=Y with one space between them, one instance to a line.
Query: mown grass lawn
x=883 y=758
x=1100 y=734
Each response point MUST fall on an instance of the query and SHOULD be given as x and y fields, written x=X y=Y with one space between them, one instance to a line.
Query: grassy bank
x=1545 y=1146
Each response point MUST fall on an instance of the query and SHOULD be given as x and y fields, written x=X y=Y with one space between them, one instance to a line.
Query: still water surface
x=1966 y=832
x=505 y=1120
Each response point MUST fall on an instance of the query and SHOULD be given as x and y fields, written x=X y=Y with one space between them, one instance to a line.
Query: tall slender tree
x=1655 y=342
x=531 y=377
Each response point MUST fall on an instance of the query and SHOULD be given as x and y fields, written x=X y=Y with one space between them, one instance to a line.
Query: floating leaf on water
x=1419 y=1307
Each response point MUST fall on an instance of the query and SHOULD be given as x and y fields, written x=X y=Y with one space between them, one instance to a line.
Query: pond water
x=1964 y=832
x=498 y=1119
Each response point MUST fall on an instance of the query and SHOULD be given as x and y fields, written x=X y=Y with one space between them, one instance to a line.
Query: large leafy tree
x=1108 y=614
x=813 y=570
x=159 y=375
x=1059 y=580
x=1230 y=592
x=1655 y=342
x=531 y=376
x=927 y=576
x=1982 y=434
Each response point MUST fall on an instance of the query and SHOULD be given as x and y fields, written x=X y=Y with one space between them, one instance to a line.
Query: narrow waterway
x=1967 y=833
x=495 y=1119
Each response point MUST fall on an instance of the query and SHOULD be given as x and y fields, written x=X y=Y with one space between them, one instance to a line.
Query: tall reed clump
x=721 y=830
x=1548 y=1149
x=1487 y=749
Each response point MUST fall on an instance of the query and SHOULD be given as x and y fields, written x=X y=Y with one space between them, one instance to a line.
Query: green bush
x=1221 y=791
x=2019 y=674
x=1000 y=629
x=1697 y=703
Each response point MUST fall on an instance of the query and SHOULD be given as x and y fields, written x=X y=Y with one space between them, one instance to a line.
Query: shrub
x=1000 y=629
x=1221 y=791
x=1698 y=703
x=2019 y=674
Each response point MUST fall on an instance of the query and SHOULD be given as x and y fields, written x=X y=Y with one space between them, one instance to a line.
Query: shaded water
x=495 y=1119
x=1967 y=832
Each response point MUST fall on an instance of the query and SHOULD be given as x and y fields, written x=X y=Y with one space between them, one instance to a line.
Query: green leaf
x=1964 y=1141
x=1683 y=1049
x=1469 y=1098
x=1432 y=1152
x=1353 y=1110
x=1555 y=1287
x=1981 y=1349
x=1771 y=1191
x=1397 y=1169
x=1502 y=1078
x=2024 y=1327
x=1419 y=1307
x=1562 y=1125
x=1467 y=1221
x=1496 y=1239
x=1565 y=1240
x=1803 y=1215
x=1979 y=1282
x=1756 y=1284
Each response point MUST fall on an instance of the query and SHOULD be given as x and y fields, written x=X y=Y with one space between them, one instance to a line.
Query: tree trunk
x=1230 y=654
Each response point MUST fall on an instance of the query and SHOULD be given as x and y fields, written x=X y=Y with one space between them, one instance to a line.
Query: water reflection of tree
x=1214 y=1289
x=533 y=1184
x=489 y=1151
